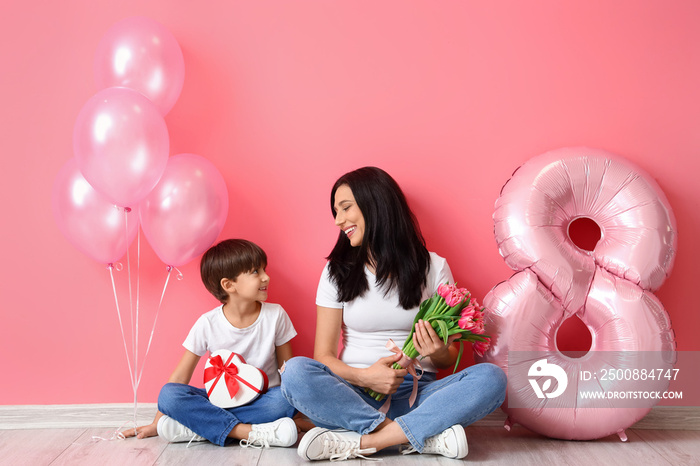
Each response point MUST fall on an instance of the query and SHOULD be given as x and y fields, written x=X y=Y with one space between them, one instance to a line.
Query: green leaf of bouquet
x=476 y=337
x=425 y=307
x=459 y=356
x=443 y=330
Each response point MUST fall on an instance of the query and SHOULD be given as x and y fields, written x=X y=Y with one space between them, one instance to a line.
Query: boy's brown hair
x=229 y=259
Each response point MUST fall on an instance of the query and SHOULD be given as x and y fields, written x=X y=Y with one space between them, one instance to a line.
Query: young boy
x=234 y=272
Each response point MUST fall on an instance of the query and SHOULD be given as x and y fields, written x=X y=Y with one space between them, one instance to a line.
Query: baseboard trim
x=75 y=416
x=122 y=414
x=660 y=418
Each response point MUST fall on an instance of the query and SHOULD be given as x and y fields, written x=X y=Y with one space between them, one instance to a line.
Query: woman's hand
x=144 y=431
x=428 y=344
x=381 y=377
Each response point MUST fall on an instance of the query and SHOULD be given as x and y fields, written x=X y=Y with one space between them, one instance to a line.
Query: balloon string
x=121 y=326
x=133 y=370
x=134 y=325
x=131 y=298
x=155 y=320
x=138 y=295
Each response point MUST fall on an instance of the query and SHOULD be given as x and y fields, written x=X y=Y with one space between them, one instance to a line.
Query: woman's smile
x=348 y=215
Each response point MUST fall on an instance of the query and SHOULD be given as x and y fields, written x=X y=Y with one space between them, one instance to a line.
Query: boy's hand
x=143 y=432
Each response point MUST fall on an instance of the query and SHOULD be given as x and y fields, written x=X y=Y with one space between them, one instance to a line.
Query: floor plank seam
x=121 y=415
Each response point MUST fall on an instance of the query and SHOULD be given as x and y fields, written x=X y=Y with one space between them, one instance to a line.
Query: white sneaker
x=173 y=431
x=334 y=445
x=280 y=433
x=451 y=443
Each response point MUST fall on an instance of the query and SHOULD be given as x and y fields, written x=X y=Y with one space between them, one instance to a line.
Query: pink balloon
x=523 y=318
x=141 y=54
x=185 y=213
x=92 y=223
x=121 y=144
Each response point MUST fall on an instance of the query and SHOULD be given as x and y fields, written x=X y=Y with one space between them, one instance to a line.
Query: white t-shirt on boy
x=255 y=343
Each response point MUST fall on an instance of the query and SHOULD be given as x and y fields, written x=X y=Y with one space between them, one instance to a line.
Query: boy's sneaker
x=451 y=443
x=334 y=445
x=173 y=431
x=280 y=433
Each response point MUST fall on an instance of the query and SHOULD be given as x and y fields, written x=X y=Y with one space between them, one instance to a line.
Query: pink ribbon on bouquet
x=410 y=365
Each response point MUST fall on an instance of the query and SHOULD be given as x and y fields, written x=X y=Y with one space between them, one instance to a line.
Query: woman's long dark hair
x=392 y=241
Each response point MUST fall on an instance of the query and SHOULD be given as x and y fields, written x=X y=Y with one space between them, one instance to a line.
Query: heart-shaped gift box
x=230 y=381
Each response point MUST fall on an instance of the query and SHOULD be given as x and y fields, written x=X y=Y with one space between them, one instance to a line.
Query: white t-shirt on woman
x=371 y=319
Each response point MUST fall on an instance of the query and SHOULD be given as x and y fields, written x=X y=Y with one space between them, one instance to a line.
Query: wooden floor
x=66 y=436
x=487 y=445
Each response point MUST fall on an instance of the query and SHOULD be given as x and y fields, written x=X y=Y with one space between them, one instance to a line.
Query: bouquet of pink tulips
x=450 y=311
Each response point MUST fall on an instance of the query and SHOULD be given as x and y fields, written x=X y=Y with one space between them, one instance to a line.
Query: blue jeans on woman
x=191 y=407
x=332 y=402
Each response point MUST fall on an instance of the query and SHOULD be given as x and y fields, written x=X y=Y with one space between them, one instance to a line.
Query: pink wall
x=283 y=97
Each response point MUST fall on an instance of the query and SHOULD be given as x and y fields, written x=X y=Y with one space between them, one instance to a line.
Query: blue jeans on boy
x=191 y=407
x=332 y=402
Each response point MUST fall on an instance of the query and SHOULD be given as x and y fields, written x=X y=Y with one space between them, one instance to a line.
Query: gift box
x=230 y=381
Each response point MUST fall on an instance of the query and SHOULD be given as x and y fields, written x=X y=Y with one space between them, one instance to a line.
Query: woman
x=376 y=276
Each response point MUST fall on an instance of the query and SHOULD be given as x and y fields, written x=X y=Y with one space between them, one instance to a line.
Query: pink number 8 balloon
x=608 y=288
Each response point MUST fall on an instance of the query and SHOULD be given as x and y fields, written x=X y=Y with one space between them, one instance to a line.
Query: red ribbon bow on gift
x=229 y=371
x=408 y=364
